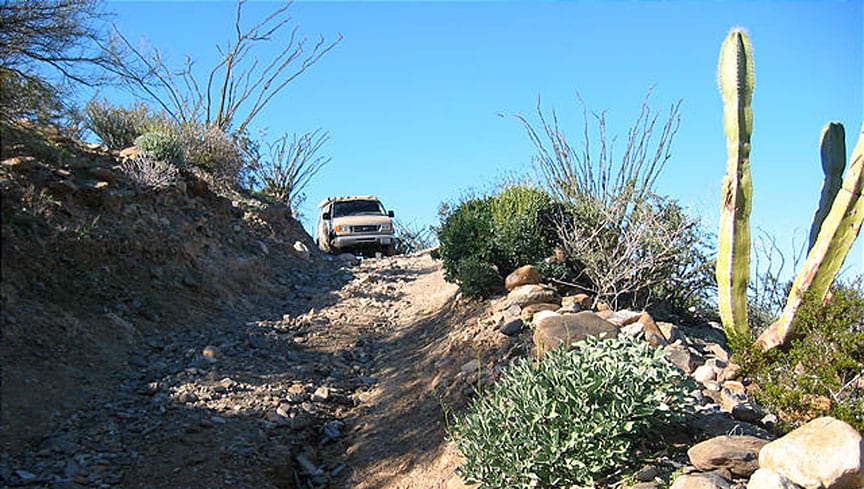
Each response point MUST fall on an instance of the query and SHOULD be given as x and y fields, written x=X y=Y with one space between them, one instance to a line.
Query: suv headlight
x=341 y=229
x=387 y=228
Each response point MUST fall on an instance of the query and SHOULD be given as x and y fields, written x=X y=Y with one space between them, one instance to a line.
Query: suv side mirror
x=390 y=214
x=325 y=216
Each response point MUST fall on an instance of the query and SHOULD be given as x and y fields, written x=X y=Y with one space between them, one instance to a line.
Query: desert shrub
x=571 y=419
x=499 y=233
x=638 y=253
x=118 y=127
x=161 y=146
x=209 y=148
x=146 y=171
x=465 y=237
x=524 y=233
x=822 y=373
x=477 y=277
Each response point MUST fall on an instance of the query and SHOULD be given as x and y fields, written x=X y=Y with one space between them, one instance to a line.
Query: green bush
x=495 y=235
x=117 y=127
x=822 y=373
x=524 y=230
x=465 y=234
x=162 y=147
x=573 y=418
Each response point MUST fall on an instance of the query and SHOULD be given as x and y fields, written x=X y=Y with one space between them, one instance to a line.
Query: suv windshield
x=358 y=208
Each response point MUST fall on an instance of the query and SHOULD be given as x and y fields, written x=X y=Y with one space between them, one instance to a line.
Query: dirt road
x=345 y=390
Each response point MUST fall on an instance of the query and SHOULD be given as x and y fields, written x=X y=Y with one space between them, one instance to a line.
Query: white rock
x=826 y=453
x=704 y=373
x=768 y=479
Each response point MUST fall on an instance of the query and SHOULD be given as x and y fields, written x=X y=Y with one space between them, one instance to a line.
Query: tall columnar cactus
x=836 y=235
x=736 y=80
x=833 y=151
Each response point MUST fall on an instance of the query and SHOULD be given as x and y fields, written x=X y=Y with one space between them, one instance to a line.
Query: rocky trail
x=335 y=393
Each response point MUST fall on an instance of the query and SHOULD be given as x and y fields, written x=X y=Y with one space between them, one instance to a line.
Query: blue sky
x=412 y=94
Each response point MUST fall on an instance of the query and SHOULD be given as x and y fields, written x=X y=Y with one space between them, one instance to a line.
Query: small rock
x=704 y=373
x=582 y=301
x=700 y=481
x=527 y=313
x=531 y=294
x=321 y=394
x=623 y=317
x=652 y=332
x=768 y=479
x=470 y=367
x=681 y=357
x=646 y=474
x=210 y=352
x=512 y=328
x=187 y=397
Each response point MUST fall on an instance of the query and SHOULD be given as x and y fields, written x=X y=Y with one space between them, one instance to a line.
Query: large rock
x=826 y=453
x=531 y=294
x=738 y=454
x=527 y=275
x=553 y=329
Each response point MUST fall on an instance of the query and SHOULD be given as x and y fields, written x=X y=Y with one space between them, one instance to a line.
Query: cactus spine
x=833 y=151
x=836 y=235
x=736 y=78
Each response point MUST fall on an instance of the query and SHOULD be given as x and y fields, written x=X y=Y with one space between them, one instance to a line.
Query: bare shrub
x=145 y=171
x=288 y=166
x=628 y=245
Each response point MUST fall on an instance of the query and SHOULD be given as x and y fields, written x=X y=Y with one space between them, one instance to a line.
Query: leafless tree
x=289 y=165
x=46 y=48
x=238 y=86
x=58 y=34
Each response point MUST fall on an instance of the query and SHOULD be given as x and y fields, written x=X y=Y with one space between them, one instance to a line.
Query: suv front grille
x=364 y=229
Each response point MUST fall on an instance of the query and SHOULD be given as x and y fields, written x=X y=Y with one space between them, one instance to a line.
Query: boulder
x=525 y=295
x=552 y=329
x=825 y=453
x=527 y=275
x=738 y=454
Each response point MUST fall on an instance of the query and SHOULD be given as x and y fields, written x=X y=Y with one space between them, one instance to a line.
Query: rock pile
x=824 y=454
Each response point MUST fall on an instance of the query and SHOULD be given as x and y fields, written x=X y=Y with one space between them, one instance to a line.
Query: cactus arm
x=736 y=78
x=838 y=231
x=833 y=152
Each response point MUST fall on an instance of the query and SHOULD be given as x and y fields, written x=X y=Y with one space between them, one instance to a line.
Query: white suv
x=355 y=223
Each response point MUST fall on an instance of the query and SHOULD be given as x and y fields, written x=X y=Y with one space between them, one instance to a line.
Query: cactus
x=833 y=151
x=736 y=78
x=836 y=235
